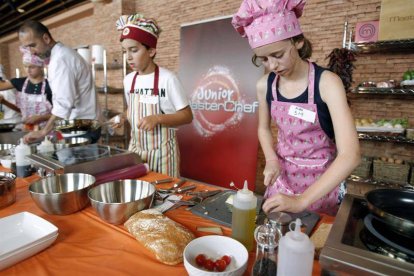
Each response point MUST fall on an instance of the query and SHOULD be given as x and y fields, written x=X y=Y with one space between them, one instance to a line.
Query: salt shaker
x=267 y=238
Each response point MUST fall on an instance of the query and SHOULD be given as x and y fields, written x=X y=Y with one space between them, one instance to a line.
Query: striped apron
x=158 y=147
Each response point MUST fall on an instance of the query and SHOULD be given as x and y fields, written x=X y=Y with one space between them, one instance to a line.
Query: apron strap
x=133 y=83
x=156 y=78
x=311 y=83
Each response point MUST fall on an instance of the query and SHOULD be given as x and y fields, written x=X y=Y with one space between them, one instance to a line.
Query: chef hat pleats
x=136 y=27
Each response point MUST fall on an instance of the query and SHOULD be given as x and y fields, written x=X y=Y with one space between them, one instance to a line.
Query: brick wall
x=322 y=23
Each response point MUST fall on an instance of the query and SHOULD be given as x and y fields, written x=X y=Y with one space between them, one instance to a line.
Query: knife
x=166 y=180
x=184 y=189
x=174 y=188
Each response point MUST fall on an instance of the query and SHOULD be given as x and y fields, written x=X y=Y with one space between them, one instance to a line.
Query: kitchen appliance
x=360 y=244
x=91 y=159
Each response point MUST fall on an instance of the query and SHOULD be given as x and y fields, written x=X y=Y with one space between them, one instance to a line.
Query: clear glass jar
x=267 y=239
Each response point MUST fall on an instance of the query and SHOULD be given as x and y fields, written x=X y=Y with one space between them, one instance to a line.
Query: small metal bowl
x=5 y=149
x=62 y=194
x=116 y=201
x=76 y=141
x=7 y=189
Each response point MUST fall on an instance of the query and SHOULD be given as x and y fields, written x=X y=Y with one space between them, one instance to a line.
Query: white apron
x=33 y=104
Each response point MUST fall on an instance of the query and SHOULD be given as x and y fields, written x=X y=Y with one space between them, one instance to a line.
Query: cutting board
x=215 y=208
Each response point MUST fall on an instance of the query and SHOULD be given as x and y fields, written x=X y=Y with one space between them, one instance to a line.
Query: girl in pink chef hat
x=156 y=100
x=34 y=96
x=316 y=145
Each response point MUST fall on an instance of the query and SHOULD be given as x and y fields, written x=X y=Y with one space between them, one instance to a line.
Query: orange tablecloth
x=88 y=245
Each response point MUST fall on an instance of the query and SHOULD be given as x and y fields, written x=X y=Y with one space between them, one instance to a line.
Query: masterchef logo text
x=218 y=103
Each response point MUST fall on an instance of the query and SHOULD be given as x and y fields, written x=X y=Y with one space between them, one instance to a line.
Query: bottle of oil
x=243 y=217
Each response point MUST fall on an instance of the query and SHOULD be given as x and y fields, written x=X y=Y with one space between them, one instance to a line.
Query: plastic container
x=45 y=146
x=22 y=163
x=243 y=217
x=296 y=251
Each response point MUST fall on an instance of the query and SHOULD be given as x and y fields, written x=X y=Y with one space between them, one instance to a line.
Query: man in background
x=70 y=79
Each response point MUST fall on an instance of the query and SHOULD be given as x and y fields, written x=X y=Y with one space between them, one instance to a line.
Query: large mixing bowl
x=62 y=194
x=116 y=201
x=7 y=189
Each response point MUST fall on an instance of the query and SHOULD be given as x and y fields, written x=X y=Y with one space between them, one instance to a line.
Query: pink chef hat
x=29 y=58
x=267 y=21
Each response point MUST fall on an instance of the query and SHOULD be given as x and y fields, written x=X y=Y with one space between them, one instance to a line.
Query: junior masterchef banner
x=221 y=144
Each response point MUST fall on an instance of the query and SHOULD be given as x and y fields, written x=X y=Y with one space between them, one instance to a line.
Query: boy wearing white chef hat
x=156 y=99
x=317 y=145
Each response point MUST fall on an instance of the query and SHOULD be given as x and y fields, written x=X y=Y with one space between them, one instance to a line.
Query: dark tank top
x=323 y=111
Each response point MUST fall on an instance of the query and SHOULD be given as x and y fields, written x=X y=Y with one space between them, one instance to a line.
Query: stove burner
x=78 y=155
x=377 y=237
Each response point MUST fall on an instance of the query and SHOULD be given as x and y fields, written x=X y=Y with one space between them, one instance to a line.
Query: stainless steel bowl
x=5 y=149
x=7 y=189
x=62 y=194
x=116 y=201
x=76 y=141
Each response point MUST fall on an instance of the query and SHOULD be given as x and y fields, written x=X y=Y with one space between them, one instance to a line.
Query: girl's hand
x=284 y=203
x=148 y=123
x=271 y=172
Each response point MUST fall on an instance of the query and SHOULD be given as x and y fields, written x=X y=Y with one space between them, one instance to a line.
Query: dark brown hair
x=38 y=28
x=306 y=51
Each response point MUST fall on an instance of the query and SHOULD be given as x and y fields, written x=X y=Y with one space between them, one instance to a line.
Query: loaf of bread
x=161 y=235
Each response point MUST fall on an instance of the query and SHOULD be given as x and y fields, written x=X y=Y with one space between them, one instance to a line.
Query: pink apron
x=158 y=147
x=303 y=149
x=33 y=104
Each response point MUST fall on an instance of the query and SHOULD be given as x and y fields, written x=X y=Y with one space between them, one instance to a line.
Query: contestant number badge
x=302 y=113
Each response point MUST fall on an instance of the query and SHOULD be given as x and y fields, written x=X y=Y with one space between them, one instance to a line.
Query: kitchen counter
x=87 y=245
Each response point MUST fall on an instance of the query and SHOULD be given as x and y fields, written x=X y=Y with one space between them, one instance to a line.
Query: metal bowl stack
x=116 y=201
x=7 y=189
x=62 y=194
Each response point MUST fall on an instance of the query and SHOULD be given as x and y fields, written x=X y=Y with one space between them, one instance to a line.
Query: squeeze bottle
x=243 y=217
x=296 y=250
x=22 y=164
x=45 y=146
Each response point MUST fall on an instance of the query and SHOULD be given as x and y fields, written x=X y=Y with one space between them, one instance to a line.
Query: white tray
x=23 y=235
x=379 y=129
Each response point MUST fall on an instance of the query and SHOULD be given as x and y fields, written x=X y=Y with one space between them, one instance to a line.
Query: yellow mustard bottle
x=243 y=217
